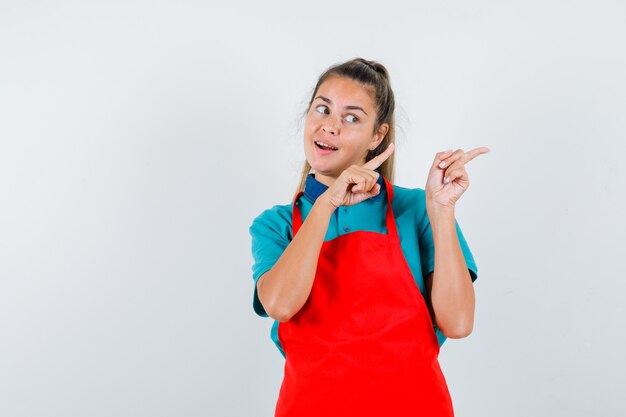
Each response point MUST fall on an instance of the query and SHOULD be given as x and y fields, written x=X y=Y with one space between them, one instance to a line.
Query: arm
x=452 y=290
x=284 y=289
x=450 y=286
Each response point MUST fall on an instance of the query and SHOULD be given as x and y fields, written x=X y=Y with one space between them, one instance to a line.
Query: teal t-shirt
x=271 y=233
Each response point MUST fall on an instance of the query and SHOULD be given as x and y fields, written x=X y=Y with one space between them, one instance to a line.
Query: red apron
x=363 y=344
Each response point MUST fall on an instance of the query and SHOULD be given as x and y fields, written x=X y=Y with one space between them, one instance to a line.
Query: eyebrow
x=327 y=100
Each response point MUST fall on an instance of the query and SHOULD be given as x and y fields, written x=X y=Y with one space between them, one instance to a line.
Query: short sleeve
x=271 y=234
x=427 y=249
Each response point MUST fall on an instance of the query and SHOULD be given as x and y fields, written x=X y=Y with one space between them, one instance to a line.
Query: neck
x=327 y=180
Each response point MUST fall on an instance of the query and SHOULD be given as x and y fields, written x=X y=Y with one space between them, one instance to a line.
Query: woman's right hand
x=357 y=183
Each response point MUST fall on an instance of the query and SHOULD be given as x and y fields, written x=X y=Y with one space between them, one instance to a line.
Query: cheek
x=310 y=124
x=307 y=131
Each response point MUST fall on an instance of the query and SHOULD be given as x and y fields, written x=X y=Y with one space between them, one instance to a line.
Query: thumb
x=436 y=174
x=439 y=156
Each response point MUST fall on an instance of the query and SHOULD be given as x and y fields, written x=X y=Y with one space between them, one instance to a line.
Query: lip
x=326 y=142
x=320 y=151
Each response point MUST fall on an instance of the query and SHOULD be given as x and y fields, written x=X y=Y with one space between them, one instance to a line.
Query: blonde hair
x=374 y=75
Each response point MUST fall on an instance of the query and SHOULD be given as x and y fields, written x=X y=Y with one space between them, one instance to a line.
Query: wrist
x=323 y=203
x=439 y=213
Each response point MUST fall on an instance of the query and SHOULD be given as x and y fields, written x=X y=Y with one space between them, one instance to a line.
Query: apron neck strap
x=390 y=221
x=296 y=215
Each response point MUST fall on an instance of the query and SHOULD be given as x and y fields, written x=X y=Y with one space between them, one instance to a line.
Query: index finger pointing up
x=377 y=161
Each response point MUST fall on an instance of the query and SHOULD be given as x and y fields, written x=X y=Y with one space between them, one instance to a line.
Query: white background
x=138 y=140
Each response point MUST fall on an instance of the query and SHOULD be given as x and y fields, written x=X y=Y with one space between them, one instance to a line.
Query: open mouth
x=325 y=146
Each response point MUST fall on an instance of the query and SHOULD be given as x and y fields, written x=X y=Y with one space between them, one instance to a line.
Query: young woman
x=364 y=279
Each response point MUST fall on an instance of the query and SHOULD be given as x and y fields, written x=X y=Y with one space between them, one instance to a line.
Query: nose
x=330 y=126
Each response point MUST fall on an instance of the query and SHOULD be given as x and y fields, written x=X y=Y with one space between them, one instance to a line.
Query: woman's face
x=342 y=115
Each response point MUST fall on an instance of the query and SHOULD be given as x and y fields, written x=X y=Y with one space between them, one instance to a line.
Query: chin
x=317 y=167
x=327 y=171
x=321 y=165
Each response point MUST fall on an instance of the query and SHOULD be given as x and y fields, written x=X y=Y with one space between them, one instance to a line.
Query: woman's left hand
x=447 y=179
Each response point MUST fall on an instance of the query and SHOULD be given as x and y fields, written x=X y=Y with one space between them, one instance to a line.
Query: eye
x=321 y=105
x=355 y=118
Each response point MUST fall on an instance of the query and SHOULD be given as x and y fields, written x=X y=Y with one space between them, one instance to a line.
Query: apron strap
x=390 y=222
x=296 y=215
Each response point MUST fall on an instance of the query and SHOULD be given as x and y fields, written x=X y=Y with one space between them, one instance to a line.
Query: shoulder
x=404 y=193
x=276 y=219
x=409 y=200
x=409 y=208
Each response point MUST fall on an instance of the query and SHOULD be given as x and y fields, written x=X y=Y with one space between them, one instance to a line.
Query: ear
x=379 y=136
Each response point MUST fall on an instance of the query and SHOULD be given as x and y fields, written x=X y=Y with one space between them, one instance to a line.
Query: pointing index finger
x=475 y=152
x=377 y=161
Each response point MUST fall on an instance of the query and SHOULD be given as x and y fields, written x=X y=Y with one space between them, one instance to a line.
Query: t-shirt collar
x=313 y=188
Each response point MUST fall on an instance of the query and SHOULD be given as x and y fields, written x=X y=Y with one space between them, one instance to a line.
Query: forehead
x=345 y=91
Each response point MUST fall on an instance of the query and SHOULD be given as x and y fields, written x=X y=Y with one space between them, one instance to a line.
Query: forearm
x=284 y=289
x=452 y=294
